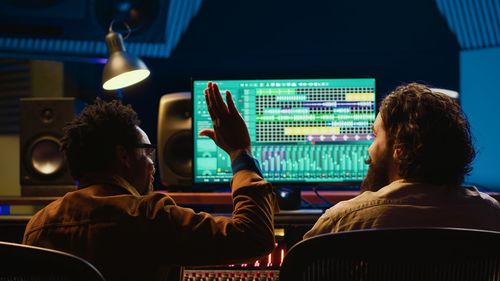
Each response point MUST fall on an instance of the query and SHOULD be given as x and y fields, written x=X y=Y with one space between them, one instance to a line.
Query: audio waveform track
x=319 y=114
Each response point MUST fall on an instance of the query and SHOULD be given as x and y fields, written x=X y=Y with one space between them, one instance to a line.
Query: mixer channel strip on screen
x=313 y=163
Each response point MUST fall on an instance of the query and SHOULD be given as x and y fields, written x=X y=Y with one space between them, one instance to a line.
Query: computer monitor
x=303 y=131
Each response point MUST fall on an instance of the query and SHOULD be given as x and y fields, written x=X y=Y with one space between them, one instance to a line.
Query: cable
x=129 y=30
x=306 y=203
x=315 y=189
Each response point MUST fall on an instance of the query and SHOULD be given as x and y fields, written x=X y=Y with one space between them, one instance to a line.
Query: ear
x=122 y=155
x=397 y=153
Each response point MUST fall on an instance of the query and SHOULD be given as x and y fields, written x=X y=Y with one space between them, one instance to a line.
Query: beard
x=148 y=188
x=377 y=176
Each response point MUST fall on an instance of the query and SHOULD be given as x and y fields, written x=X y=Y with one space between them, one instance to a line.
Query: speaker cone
x=178 y=153
x=45 y=157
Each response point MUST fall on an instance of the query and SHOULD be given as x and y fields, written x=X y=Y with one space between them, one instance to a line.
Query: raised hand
x=230 y=131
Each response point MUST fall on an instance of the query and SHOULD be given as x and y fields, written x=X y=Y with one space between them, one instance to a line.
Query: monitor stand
x=289 y=198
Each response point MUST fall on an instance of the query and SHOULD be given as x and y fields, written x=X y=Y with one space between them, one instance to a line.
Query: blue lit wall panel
x=476 y=23
x=480 y=97
x=180 y=13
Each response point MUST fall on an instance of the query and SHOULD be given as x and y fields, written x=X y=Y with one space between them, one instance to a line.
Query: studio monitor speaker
x=175 y=140
x=43 y=169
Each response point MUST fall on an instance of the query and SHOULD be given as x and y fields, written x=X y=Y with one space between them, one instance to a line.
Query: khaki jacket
x=132 y=237
x=404 y=204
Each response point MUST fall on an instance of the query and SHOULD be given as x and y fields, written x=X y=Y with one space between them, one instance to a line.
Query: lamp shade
x=122 y=69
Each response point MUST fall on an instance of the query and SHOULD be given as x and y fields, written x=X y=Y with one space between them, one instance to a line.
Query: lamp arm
x=129 y=30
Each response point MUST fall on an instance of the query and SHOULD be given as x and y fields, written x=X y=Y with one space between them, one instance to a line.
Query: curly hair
x=432 y=133
x=90 y=139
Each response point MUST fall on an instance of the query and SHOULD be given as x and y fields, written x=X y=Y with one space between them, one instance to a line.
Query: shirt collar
x=409 y=187
x=108 y=179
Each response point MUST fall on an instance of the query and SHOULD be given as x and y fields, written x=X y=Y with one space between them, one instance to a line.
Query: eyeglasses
x=146 y=145
x=150 y=150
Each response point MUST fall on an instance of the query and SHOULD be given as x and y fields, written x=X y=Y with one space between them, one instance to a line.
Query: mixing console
x=264 y=269
x=230 y=275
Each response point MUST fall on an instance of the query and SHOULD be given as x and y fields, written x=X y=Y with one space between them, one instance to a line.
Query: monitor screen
x=302 y=130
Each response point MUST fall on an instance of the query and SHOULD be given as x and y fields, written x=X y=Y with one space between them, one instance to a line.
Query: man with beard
x=421 y=152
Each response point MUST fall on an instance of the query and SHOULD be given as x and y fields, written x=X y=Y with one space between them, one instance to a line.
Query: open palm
x=229 y=129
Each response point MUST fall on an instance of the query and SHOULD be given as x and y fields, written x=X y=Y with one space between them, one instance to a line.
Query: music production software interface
x=302 y=130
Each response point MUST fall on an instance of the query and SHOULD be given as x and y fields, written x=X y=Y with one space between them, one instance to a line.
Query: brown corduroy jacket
x=132 y=237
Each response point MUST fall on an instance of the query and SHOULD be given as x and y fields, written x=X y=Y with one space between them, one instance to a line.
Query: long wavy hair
x=432 y=133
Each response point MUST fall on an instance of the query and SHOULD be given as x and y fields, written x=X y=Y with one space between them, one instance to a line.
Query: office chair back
x=27 y=263
x=396 y=254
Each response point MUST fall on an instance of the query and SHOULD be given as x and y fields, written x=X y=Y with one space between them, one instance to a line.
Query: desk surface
x=196 y=198
x=296 y=218
x=213 y=198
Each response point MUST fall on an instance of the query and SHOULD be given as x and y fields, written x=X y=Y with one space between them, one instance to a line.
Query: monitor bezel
x=348 y=185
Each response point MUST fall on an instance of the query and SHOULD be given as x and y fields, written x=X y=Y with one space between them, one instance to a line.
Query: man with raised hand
x=128 y=232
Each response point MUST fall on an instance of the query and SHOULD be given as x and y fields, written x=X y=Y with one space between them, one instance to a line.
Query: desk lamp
x=122 y=69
